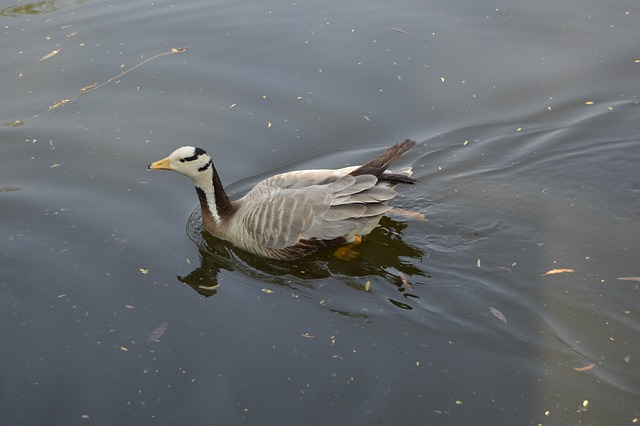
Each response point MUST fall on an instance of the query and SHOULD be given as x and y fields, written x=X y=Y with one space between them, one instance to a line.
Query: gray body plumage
x=292 y=214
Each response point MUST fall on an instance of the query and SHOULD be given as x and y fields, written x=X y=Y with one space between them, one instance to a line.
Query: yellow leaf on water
x=367 y=285
x=558 y=271
x=49 y=55
x=144 y=271
x=585 y=368
x=266 y=290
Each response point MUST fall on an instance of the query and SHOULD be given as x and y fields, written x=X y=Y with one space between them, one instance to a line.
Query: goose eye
x=182 y=160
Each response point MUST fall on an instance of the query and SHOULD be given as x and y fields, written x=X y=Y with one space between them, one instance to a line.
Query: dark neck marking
x=221 y=202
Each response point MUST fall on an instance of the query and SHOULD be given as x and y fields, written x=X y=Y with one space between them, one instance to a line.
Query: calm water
x=116 y=309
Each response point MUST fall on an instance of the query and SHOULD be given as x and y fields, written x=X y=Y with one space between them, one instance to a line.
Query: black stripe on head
x=206 y=166
x=197 y=153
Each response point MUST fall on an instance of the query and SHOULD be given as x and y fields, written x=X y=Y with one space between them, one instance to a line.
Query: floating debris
x=158 y=332
x=405 y=281
x=558 y=271
x=398 y=30
x=86 y=90
x=496 y=313
x=585 y=368
x=49 y=55
x=9 y=189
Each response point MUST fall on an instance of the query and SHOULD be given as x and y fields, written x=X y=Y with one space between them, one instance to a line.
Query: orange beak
x=164 y=164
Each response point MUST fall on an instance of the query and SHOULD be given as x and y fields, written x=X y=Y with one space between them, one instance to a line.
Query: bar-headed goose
x=293 y=214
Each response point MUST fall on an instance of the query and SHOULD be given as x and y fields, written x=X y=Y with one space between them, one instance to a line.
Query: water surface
x=117 y=309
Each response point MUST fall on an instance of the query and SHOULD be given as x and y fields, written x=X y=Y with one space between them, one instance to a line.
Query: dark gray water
x=116 y=309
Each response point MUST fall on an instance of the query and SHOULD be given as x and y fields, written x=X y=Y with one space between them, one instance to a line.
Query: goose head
x=189 y=161
x=196 y=164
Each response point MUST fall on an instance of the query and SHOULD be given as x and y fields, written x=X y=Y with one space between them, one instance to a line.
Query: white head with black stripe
x=188 y=160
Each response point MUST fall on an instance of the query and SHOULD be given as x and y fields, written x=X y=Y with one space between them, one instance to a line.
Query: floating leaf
x=367 y=285
x=558 y=271
x=13 y=123
x=89 y=87
x=405 y=282
x=266 y=290
x=496 y=313
x=398 y=30
x=9 y=189
x=585 y=368
x=629 y=278
x=49 y=55
x=144 y=271
x=158 y=332
x=308 y=336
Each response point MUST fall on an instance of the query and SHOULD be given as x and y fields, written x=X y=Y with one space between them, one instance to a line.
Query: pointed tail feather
x=378 y=165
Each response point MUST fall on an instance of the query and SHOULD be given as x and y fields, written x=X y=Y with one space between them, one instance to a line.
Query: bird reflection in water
x=382 y=253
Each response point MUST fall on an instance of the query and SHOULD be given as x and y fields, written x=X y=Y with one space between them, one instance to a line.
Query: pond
x=515 y=300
